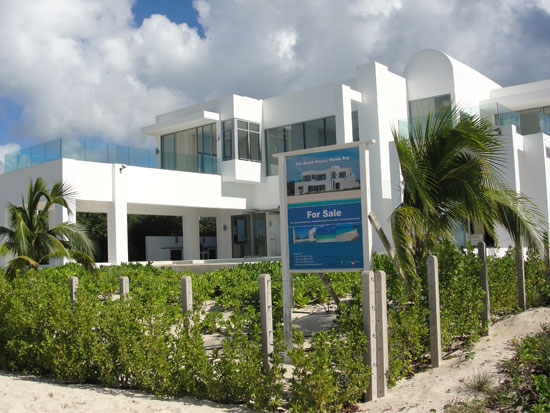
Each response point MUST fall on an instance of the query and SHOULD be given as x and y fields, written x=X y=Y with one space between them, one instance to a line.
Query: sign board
x=324 y=210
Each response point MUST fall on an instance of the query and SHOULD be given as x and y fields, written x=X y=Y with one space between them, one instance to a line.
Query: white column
x=191 y=239
x=344 y=126
x=117 y=233
x=384 y=103
x=117 y=219
x=223 y=235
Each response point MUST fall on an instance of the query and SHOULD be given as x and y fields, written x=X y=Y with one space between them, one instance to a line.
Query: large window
x=227 y=140
x=304 y=135
x=355 y=125
x=191 y=150
x=418 y=109
x=248 y=136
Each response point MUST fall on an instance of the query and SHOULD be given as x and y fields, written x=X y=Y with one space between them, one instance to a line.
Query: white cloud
x=81 y=68
x=5 y=149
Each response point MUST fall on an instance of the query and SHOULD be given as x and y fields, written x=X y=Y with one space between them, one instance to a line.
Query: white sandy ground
x=434 y=388
x=431 y=389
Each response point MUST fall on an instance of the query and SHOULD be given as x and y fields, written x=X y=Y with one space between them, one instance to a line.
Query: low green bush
x=143 y=341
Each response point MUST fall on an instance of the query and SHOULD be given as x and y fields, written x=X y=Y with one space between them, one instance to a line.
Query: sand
x=434 y=388
x=21 y=393
x=431 y=389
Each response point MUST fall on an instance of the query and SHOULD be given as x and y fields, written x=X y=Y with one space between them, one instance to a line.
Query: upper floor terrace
x=92 y=150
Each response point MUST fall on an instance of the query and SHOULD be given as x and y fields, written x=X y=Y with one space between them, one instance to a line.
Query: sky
x=103 y=68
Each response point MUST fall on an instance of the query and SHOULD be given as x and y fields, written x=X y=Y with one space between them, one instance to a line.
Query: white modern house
x=334 y=178
x=216 y=158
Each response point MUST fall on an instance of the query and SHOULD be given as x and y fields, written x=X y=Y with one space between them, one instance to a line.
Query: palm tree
x=31 y=240
x=450 y=165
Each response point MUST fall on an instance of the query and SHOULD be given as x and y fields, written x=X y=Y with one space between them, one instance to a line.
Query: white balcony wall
x=301 y=106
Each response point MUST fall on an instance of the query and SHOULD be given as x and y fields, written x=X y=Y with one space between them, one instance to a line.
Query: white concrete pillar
x=117 y=233
x=224 y=241
x=117 y=219
x=191 y=238
x=344 y=125
x=384 y=103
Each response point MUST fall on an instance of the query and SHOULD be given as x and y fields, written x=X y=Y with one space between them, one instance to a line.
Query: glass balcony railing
x=96 y=151
x=500 y=115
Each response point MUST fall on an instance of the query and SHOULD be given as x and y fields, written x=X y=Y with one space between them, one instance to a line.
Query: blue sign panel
x=324 y=210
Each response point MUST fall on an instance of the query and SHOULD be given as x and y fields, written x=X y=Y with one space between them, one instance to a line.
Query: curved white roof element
x=431 y=72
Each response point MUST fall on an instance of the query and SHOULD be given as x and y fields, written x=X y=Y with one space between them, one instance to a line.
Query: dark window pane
x=315 y=133
x=241 y=124
x=355 y=125
x=296 y=137
x=207 y=140
x=330 y=130
x=255 y=146
x=243 y=144
x=254 y=127
x=273 y=146
x=168 y=151
x=227 y=145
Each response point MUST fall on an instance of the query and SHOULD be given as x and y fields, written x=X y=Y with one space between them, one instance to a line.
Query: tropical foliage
x=451 y=174
x=29 y=237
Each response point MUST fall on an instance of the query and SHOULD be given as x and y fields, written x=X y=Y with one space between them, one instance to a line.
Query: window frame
x=249 y=133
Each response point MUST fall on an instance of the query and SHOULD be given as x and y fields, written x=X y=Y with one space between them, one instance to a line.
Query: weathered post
x=381 y=314
x=74 y=287
x=288 y=303
x=186 y=294
x=124 y=284
x=433 y=299
x=331 y=291
x=484 y=282
x=266 y=313
x=369 y=325
x=520 y=274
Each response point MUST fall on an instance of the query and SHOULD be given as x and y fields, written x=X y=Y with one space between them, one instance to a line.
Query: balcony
x=96 y=151
x=527 y=121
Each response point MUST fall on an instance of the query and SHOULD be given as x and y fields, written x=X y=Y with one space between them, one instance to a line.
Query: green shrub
x=331 y=374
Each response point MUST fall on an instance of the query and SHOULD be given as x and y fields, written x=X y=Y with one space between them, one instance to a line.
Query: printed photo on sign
x=313 y=175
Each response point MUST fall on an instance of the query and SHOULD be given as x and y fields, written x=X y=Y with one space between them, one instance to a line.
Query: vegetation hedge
x=142 y=341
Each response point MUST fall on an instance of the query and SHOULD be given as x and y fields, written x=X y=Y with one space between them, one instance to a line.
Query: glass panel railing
x=209 y=164
x=73 y=149
x=53 y=150
x=500 y=115
x=140 y=157
x=545 y=123
x=97 y=151
x=10 y=162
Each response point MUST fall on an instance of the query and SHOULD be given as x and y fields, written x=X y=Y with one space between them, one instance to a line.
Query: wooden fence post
x=520 y=275
x=484 y=282
x=433 y=299
x=74 y=287
x=266 y=313
x=124 y=284
x=369 y=325
x=381 y=314
x=186 y=294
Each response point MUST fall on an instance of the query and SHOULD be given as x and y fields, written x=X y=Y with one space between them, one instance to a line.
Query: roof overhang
x=180 y=123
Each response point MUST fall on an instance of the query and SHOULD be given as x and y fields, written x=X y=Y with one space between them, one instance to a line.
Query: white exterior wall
x=429 y=73
x=158 y=248
x=384 y=103
x=381 y=99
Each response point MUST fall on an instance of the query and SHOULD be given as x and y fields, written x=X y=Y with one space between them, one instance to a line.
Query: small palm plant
x=450 y=164
x=31 y=240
